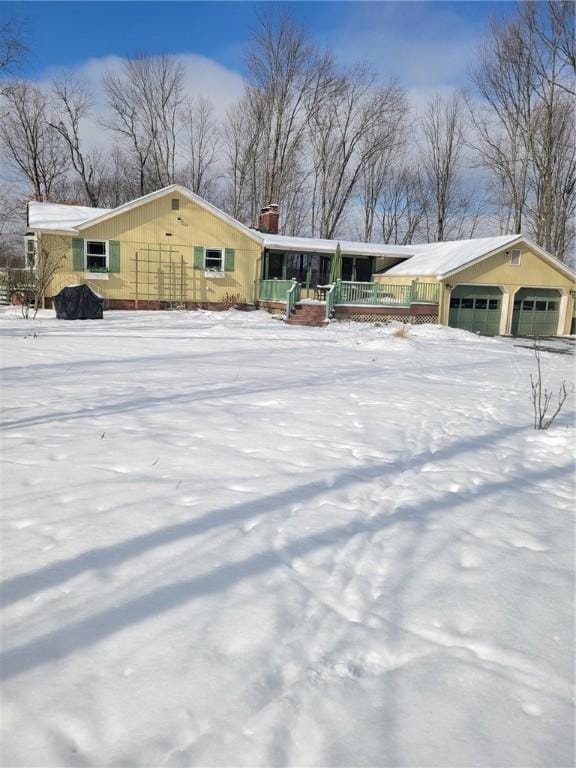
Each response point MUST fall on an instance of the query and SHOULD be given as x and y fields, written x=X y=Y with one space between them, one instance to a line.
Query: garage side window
x=96 y=255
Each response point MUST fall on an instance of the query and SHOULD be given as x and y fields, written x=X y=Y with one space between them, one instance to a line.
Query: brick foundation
x=274 y=307
x=147 y=304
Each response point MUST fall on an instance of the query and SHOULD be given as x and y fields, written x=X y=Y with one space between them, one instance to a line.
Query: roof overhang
x=310 y=245
x=50 y=231
x=552 y=260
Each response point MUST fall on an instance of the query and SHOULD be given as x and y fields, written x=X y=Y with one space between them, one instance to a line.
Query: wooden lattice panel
x=379 y=317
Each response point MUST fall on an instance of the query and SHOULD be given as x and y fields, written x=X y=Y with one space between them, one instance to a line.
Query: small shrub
x=230 y=300
x=402 y=333
x=542 y=397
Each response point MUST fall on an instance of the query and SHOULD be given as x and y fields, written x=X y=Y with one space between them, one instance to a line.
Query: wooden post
x=182 y=291
x=136 y=281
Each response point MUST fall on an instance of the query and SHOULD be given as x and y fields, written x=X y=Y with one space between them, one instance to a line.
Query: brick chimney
x=268 y=219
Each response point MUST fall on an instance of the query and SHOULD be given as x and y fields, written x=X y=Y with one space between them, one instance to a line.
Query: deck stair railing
x=292 y=298
x=331 y=296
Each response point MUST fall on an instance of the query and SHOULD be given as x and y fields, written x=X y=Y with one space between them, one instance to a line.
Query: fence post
x=413 y=291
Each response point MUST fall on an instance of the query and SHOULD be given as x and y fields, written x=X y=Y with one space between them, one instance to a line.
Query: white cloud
x=203 y=77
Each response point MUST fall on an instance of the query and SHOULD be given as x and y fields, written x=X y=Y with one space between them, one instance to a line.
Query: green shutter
x=113 y=256
x=229 y=260
x=198 y=257
x=78 y=254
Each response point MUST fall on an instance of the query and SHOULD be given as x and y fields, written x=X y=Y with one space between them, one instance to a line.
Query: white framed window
x=96 y=255
x=515 y=257
x=30 y=251
x=214 y=261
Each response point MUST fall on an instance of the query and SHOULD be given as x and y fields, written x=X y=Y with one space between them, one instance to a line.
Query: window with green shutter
x=114 y=256
x=229 y=259
x=198 y=257
x=78 y=254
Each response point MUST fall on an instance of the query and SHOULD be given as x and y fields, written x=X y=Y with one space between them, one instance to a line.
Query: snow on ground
x=229 y=542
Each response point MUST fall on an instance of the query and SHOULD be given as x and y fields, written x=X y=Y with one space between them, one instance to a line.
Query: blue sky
x=424 y=44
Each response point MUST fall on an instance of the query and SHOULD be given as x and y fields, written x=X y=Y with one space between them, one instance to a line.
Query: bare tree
x=242 y=153
x=72 y=104
x=551 y=25
x=12 y=47
x=202 y=138
x=441 y=158
x=12 y=222
x=29 y=142
x=382 y=146
x=524 y=122
x=501 y=121
x=400 y=207
x=146 y=100
x=287 y=80
x=352 y=131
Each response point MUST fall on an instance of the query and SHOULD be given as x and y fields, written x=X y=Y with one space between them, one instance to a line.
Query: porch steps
x=313 y=315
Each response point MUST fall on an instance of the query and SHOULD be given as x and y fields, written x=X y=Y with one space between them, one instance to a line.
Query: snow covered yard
x=228 y=542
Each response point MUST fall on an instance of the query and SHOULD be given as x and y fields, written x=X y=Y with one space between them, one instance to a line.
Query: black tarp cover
x=78 y=302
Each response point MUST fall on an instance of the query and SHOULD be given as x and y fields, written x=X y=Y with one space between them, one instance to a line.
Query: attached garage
x=476 y=308
x=536 y=312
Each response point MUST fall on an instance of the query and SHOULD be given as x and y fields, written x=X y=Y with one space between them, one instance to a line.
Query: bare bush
x=542 y=397
x=402 y=333
x=27 y=286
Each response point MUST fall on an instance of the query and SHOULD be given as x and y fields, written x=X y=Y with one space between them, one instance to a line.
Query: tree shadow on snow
x=27 y=584
x=60 y=643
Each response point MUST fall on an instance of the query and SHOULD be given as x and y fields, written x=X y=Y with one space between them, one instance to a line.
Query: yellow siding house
x=171 y=249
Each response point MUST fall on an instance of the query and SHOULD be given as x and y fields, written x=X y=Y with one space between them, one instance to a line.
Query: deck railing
x=387 y=294
x=275 y=290
x=347 y=292
x=373 y=293
x=425 y=293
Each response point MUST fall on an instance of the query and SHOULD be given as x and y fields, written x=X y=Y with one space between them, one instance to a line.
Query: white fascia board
x=172 y=189
x=49 y=231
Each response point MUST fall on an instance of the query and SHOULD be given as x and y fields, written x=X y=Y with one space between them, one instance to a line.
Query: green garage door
x=536 y=312
x=476 y=308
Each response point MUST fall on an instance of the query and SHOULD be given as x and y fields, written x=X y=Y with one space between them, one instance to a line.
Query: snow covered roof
x=284 y=243
x=73 y=218
x=60 y=217
x=440 y=259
